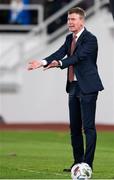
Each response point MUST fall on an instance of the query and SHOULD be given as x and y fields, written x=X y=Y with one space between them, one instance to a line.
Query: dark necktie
x=71 y=67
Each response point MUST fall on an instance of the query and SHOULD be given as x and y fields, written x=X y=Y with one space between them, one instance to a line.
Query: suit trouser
x=82 y=109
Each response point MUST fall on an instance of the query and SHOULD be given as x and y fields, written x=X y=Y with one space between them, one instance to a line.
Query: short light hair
x=77 y=10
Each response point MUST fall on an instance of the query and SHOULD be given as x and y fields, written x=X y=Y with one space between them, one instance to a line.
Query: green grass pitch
x=44 y=154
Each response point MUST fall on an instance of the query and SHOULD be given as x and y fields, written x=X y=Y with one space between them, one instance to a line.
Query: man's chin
x=71 y=30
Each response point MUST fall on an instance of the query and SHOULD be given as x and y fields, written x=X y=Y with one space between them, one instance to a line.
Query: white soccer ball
x=81 y=171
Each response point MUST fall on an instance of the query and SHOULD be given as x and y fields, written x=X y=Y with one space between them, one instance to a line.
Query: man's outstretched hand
x=37 y=64
x=53 y=64
x=34 y=65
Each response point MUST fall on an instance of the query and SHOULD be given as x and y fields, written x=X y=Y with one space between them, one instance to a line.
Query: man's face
x=75 y=22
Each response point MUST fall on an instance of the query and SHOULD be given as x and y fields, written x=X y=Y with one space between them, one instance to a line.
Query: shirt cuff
x=60 y=62
x=44 y=62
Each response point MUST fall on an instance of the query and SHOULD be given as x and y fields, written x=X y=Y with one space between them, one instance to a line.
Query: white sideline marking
x=38 y=172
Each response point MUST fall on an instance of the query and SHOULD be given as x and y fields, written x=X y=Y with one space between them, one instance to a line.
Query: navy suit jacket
x=84 y=60
x=112 y=6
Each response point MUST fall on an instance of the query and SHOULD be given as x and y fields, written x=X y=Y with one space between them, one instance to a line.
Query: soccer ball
x=81 y=171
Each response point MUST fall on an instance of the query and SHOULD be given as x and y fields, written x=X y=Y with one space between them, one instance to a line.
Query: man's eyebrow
x=71 y=18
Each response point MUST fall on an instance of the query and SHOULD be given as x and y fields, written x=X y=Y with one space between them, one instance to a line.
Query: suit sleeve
x=87 y=47
x=112 y=6
x=58 y=55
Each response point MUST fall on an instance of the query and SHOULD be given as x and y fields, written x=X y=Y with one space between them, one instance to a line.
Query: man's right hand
x=34 y=65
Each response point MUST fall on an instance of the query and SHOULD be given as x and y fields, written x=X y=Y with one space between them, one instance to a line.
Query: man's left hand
x=53 y=64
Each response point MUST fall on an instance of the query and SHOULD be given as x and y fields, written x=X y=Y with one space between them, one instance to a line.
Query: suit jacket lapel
x=69 y=41
x=80 y=38
x=78 y=41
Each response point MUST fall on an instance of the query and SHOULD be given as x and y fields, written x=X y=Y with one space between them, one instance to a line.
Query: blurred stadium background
x=39 y=97
x=32 y=29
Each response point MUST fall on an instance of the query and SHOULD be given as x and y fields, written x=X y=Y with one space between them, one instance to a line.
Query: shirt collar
x=79 y=33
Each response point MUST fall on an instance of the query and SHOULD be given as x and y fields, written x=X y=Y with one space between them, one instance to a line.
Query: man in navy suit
x=83 y=88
